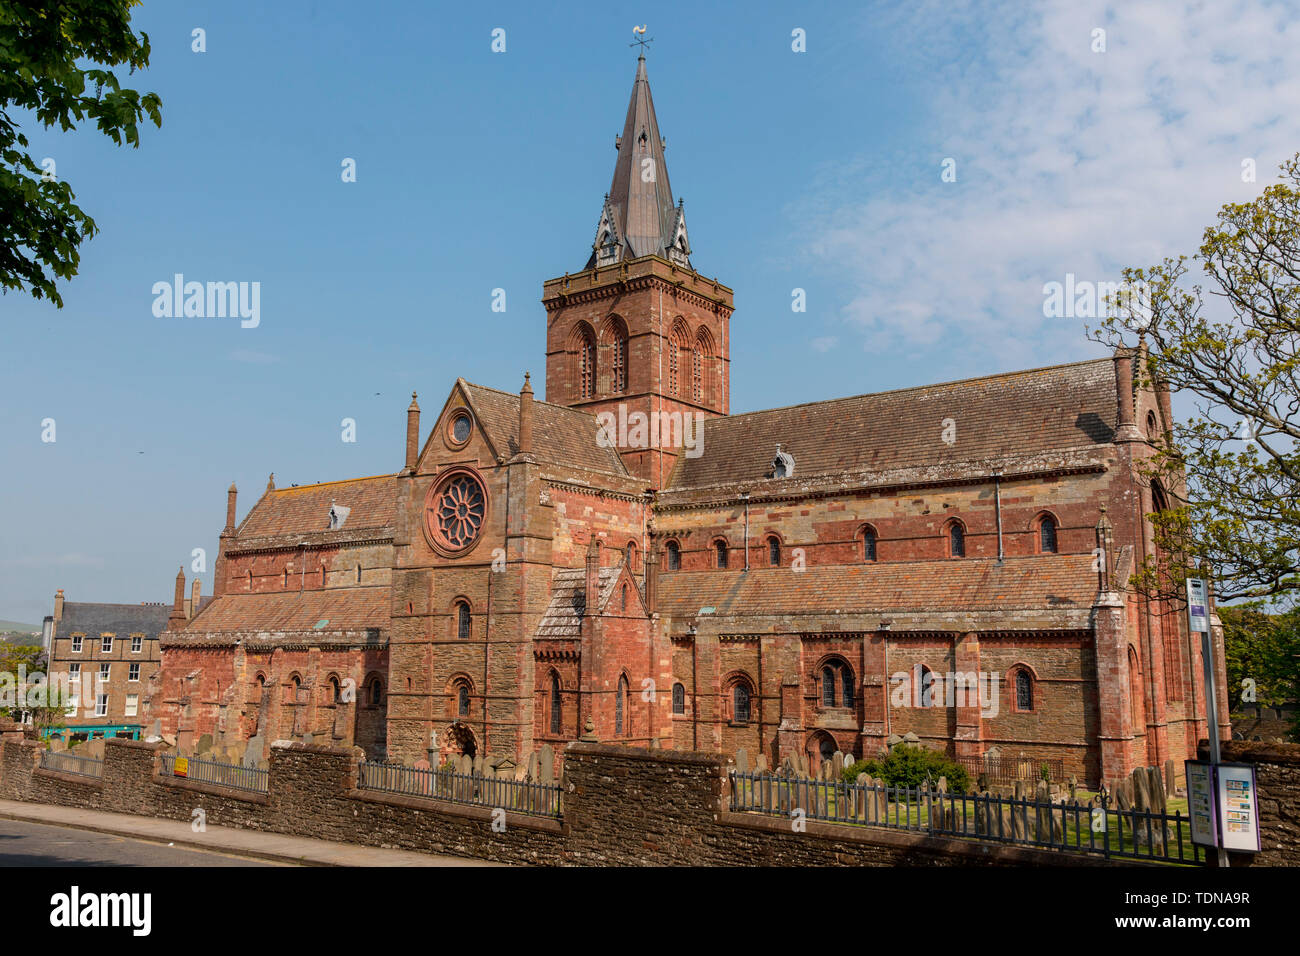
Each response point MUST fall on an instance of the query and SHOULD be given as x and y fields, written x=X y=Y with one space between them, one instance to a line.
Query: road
x=35 y=844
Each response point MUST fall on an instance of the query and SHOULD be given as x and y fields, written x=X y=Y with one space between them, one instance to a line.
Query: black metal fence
x=518 y=796
x=65 y=762
x=1005 y=771
x=1071 y=828
x=212 y=771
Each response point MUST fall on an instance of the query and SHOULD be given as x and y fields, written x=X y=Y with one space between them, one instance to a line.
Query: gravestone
x=1074 y=787
x=533 y=764
x=204 y=745
x=307 y=739
x=742 y=760
x=1170 y=780
x=546 y=764
x=760 y=765
x=837 y=763
x=894 y=740
x=942 y=785
x=1141 y=796
x=1156 y=787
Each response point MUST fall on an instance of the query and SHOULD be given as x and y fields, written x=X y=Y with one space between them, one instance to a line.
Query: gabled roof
x=343 y=609
x=1037 y=582
x=639 y=213
x=561 y=435
x=372 y=503
x=563 y=618
x=1014 y=414
x=120 y=619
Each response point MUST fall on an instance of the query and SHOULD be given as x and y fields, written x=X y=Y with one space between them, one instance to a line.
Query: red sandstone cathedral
x=631 y=561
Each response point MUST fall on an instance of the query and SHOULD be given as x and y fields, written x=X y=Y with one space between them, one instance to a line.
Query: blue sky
x=478 y=170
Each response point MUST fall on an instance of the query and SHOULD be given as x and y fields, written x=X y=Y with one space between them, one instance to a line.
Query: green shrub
x=906 y=766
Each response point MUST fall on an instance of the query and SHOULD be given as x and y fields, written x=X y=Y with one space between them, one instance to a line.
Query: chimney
x=526 y=418
x=1127 y=426
x=177 y=617
x=412 y=433
x=231 y=492
x=196 y=589
x=58 y=605
x=652 y=577
x=591 y=589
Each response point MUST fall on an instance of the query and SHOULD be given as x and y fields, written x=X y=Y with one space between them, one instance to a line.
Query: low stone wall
x=1277 y=774
x=622 y=806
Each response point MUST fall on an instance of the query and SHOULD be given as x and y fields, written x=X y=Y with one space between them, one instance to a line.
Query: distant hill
x=15 y=626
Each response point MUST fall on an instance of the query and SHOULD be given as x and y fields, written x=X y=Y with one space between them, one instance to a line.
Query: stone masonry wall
x=622 y=806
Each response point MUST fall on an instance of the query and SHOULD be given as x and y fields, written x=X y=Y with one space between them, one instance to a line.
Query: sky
x=920 y=171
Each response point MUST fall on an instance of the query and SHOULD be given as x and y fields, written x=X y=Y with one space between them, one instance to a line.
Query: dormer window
x=782 y=464
x=338 y=515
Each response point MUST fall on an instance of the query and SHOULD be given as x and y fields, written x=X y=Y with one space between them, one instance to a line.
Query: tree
x=1232 y=471
x=1262 y=652
x=56 y=62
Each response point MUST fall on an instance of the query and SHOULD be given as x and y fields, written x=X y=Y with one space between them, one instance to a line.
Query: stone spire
x=639 y=217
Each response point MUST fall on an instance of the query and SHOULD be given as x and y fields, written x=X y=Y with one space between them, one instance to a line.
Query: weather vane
x=641 y=39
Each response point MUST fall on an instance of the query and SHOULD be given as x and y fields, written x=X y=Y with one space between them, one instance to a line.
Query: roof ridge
x=322 y=484
x=911 y=388
x=536 y=401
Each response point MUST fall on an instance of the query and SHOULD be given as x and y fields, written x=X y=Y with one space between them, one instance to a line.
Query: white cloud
x=824 y=343
x=1068 y=161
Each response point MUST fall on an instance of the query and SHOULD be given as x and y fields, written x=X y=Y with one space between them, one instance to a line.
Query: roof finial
x=641 y=40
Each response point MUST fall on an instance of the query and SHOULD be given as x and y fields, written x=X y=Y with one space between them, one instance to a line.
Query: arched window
x=286 y=579
x=720 y=553
x=462 y=700
x=1047 y=535
x=462 y=620
x=697 y=375
x=674 y=358
x=924 y=693
x=250 y=580
x=336 y=693
x=846 y=677
x=774 y=551
x=679 y=699
x=674 y=552
x=620 y=702
x=630 y=555
x=586 y=364
x=740 y=703
x=1152 y=427
x=704 y=387
x=828 y=687
x=868 y=543
x=358 y=573
x=956 y=540
x=615 y=335
x=557 y=708
x=837 y=678
x=1024 y=690
x=376 y=692
x=625 y=596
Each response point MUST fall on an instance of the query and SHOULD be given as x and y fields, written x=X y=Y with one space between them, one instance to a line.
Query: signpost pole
x=1198 y=619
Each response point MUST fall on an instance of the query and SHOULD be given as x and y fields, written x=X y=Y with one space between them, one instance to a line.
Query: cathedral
x=629 y=561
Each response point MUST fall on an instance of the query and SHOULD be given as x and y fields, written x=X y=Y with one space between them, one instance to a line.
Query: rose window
x=456 y=511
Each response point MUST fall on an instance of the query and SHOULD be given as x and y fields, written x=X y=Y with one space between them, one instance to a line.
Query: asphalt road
x=35 y=844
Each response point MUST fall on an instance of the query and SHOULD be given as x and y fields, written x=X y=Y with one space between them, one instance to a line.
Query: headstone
x=894 y=740
x=911 y=739
x=421 y=764
x=546 y=765
x=1042 y=814
x=307 y=739
x=742 y=760
x=760 y=765
x=942 y=785
x=1156 y=787
x=1170 y=780
x=1141 y=796
x=837 y=763
x=533 y=765
x=204 y=745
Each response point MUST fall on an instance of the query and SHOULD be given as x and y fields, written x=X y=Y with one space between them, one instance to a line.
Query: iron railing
x=518 y=796
x=65 y=762
x=1071 y=828
x=223 y=774
x=1006 y=771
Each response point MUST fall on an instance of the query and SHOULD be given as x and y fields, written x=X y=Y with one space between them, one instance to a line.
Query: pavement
x=224 y=841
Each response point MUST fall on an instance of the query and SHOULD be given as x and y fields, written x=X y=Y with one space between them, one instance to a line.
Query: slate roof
x=120 y=619
x=1046 y=582
x=345 y=609
x=1011 y=415
x=306 y=508
x=642 y=209
x=563 y=618
x=562 y=435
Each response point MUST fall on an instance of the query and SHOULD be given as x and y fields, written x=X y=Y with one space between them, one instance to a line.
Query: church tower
x=639 y=337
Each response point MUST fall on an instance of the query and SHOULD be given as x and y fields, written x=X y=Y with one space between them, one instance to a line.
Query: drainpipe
x=745 y=497
x=997 y=499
